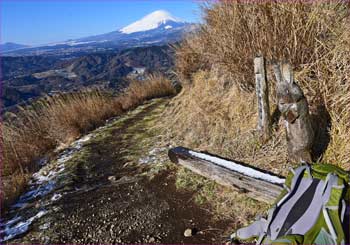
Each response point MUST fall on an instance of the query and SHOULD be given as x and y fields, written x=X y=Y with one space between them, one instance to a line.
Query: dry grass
x=207 y=116
x=234 y=32
x=326 y=81
x=217 y=111
x=53 y=122
x=155 y=86
x=338 y=150
x=189 y=57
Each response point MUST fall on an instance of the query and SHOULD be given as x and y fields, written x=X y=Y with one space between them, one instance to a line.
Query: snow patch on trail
x=44 y=189
x=239 y=168
x=20 y=227
x=41 y=184
x=153 y=156
x=56 y=197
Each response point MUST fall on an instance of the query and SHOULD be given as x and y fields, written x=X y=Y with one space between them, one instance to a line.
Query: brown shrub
x=189 y=58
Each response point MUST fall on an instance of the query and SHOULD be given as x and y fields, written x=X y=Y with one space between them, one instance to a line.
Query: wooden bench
x=256 y=183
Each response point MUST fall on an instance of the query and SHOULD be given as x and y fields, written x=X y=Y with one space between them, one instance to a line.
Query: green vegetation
x=222 y=201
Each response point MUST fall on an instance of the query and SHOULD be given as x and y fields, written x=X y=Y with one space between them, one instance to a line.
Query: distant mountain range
x=157 y=28
x=11 y=46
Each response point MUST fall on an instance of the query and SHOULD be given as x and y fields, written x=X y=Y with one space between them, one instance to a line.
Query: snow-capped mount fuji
x=156 y=28
x=157 y=19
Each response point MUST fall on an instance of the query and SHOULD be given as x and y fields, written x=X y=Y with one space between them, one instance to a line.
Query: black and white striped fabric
x=299 y=210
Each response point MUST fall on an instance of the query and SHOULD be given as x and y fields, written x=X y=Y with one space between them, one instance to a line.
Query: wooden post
x=262 y=93
x=295 y=111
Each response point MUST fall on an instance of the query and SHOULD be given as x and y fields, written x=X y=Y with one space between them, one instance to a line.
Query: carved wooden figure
x=295 y=111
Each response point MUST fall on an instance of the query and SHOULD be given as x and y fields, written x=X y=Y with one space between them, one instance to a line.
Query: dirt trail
x=120 y=188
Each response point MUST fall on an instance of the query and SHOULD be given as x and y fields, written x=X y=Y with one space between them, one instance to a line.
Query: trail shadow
x=321 y=123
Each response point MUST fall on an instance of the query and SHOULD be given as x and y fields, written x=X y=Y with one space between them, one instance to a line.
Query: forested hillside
x=32 y=76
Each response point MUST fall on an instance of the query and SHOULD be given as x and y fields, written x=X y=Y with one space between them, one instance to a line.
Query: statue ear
x=277 y=70
x=287 y=72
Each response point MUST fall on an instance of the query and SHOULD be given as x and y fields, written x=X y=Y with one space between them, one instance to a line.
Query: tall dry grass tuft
x=235 y=31
x=154 y=86
x=51 y=121
x=332 y=82
x=56 y=121
x=189 y=57
x=208 y=116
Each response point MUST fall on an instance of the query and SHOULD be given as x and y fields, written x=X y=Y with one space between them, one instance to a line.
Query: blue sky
x=40 y=22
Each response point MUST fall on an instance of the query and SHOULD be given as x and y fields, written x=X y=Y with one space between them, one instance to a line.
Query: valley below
x=27 y=78
x=114 y=185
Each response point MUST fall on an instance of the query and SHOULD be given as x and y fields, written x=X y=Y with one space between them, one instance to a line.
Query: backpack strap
x=328 y=200
x=252 y=231
x=331 y=213
x=301 y=183
x=258 y=229
x=298 y=173
x=343 y=209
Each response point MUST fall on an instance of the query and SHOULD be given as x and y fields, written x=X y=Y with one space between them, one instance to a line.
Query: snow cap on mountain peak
x=150 y=21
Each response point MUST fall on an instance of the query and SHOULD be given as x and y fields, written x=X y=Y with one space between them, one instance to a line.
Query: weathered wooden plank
x=256 y=183
x=262 y=93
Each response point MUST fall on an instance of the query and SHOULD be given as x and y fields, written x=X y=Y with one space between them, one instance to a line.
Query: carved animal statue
x=295 y=111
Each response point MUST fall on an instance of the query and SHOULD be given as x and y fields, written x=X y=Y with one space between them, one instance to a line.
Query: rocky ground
x=115 y=185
